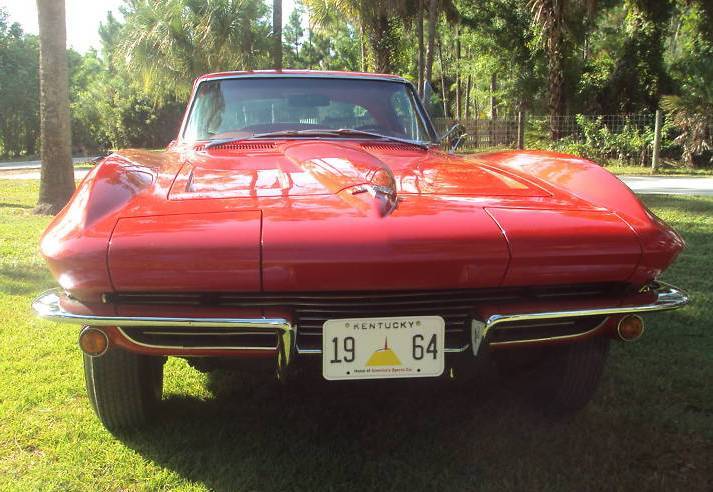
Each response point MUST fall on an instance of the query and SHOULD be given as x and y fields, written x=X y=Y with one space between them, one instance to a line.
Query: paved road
x=30 y=173
x=669 y=185
x=14 y=166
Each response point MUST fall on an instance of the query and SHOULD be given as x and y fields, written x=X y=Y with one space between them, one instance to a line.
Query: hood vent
x=392 y=147
x=240 y=147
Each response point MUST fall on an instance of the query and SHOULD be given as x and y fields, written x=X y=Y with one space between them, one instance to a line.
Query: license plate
x=377 y=348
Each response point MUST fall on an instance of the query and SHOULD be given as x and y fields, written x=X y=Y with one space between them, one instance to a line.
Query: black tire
x=569 y=376
x=124 y=388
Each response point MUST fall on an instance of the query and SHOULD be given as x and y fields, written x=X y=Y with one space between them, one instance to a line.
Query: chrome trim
x=48 y=306
x=549 y=339
x=181 y=347
x=668 y=298
x=317 y=351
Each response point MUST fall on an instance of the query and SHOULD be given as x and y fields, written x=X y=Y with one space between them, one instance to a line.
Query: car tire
x=124 y=388
x=570 y=375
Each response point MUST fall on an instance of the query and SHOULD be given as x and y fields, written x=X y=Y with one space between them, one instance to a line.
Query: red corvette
x=312 y=215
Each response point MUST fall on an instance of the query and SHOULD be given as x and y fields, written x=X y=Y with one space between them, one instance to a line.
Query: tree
x=57 y=175
x=378 y=19
x=549 y=16
x=277 y=34
x=292 y=37
x=19 y=86
x=170 y=43
x=432 y=21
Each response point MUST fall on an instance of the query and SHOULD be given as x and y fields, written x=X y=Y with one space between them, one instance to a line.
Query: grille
x=201 y=338
x=457 y=307
x=521 y=331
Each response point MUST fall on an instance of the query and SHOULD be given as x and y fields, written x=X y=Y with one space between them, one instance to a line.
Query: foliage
x=621 y=138
x=491 y=57
x=691 y=109
x=170 y=43
x=19 y=90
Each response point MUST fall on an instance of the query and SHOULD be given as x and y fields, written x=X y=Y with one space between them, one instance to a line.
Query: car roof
x=300 y=73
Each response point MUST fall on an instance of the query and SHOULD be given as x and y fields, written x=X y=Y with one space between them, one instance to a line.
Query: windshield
x=243 y=107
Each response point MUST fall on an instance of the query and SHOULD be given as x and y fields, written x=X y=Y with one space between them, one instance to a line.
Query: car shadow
x=311 y=434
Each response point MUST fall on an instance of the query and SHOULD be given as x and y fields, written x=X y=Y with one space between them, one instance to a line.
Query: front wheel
x=570 y=376
x=124 y=388
x=560 y=379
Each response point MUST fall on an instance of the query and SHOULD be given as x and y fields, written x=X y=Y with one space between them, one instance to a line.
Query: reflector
x=93 y=342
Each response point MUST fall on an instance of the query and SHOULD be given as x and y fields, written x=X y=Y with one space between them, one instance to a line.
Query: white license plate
x=376 y=348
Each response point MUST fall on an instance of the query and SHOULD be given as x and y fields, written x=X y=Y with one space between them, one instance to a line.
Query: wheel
x=569 y=376
x=124 y=388
x=560 y=379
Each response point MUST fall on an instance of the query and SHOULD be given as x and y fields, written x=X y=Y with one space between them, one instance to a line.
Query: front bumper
x=55 y=305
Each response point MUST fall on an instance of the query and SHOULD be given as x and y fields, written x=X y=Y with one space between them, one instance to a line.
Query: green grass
x=650 y=426
x=666 y=169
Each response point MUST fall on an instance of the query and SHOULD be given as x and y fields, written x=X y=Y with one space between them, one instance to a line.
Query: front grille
x=201 y=338
x=457 y=307
x=521 y=331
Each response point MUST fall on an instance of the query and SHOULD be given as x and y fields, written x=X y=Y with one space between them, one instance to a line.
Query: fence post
x=520 y=130
x=657 y=141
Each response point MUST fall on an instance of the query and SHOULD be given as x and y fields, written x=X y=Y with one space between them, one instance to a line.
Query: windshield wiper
x=316 y=132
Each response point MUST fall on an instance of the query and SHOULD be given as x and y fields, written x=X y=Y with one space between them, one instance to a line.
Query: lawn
x=649 y=427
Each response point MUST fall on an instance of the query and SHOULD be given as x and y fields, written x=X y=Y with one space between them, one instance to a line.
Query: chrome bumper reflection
x=668 y=297
x=49 y=306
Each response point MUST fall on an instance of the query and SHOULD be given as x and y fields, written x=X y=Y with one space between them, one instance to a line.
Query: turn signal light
x=630 y=328
x=93 y=342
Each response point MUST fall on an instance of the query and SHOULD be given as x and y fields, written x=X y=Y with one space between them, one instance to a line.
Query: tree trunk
x=432 y=20
x=444 y=89
x=381 y=40
x=277 y=34
x=493 y=98
x=553 y=11
x=421 y=55
x=57 y=175
x=362 y=40
x=458 y=77
x=467 y=96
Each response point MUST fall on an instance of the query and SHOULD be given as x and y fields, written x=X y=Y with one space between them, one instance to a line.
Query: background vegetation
x=489 y=58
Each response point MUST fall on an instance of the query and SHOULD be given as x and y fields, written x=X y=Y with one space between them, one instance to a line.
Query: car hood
x=299 y=168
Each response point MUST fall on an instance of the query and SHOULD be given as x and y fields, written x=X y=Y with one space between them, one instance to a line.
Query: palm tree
x=169 y=43
x=57 y=175
x=277 y=34
x=378 y=19
x=550 y=17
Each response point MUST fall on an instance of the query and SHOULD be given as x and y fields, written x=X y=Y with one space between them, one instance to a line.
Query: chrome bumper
x=668 y=298
x=49 y=306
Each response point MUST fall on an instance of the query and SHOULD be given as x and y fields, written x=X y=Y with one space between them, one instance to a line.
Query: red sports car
x=312 y=215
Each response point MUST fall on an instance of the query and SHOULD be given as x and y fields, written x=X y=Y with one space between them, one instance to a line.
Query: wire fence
x=626 y=137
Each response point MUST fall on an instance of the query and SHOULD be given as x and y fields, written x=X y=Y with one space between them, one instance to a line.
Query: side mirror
x=454 y=136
